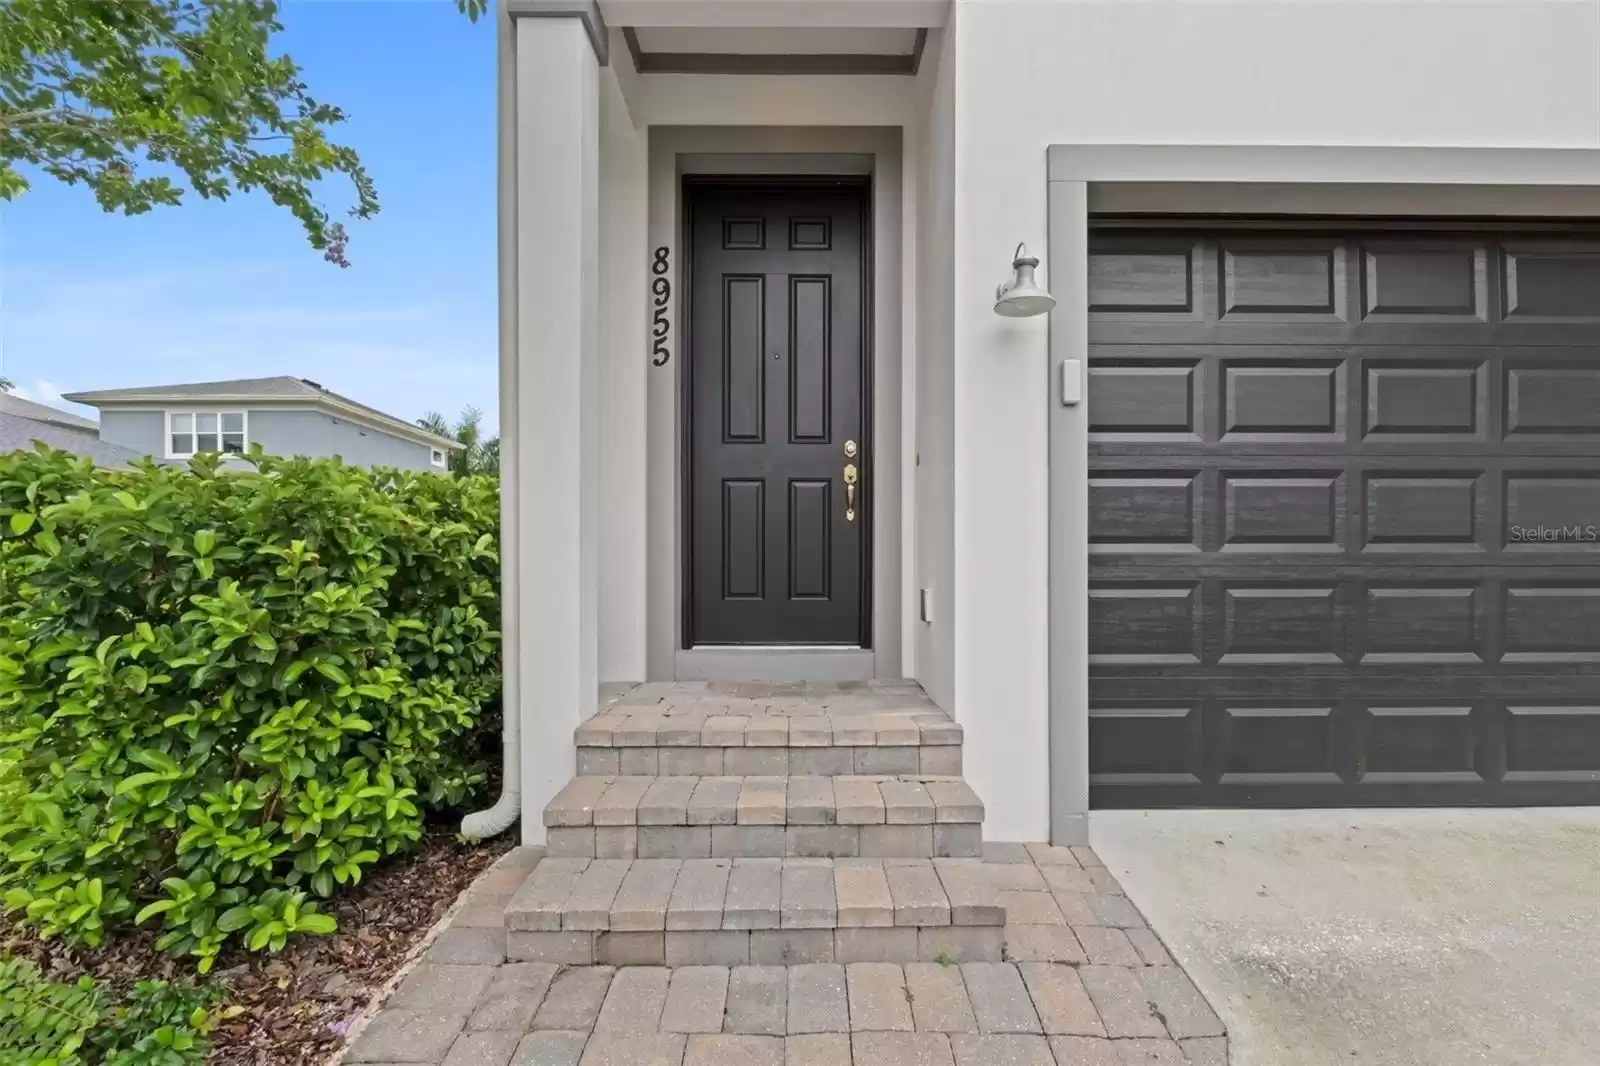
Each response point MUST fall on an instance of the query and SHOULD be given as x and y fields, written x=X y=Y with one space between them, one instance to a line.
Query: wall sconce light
x=1021 y=297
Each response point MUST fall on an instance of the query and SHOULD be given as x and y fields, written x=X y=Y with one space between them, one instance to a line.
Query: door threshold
x=776 y=663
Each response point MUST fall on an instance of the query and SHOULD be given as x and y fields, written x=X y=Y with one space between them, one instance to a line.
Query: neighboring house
x=24 y=423
x=1241 y=522
x=284 y=415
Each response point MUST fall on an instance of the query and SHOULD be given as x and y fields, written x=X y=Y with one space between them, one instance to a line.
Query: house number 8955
x=661 y=286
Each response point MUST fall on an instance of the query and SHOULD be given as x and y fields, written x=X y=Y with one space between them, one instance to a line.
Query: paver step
x=739 y=729
x=804 y=727
x=709 y=739
x=689 y=817
x=725 y=912
x=711 y=761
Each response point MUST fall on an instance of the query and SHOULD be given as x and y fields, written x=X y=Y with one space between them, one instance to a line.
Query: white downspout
x=503 y=815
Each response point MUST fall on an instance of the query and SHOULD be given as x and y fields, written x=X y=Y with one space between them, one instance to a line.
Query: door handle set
x=850 y=478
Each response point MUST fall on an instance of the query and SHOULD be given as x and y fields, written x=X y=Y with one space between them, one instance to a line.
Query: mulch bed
x=298 y=1004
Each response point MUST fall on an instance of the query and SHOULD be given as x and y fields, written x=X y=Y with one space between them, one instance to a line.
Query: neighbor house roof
x=22 y=422
x=38 y=412
x=274 y=390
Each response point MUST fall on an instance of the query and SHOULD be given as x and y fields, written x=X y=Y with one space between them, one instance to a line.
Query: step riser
x=763 y=801
x=959 y=840
x=776 y=947
x=829 y=761
x=644 y=729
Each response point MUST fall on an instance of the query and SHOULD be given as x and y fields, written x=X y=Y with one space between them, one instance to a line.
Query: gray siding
x=141 y=431
x=279 y=431
x=318 y=434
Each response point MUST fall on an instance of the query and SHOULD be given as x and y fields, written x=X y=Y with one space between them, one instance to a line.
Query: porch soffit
x=777 y=14
x=873 y=50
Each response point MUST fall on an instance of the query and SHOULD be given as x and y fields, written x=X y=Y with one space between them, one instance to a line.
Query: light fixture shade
x=1022 y=297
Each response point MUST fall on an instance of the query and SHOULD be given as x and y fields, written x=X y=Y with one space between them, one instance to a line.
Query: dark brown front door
x=777 y=402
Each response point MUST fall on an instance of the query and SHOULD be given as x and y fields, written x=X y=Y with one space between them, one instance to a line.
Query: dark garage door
x=1344 y=500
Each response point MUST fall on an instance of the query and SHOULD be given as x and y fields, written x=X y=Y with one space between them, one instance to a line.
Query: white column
x=624 y=365
x=1069 y=516
x=557 y=145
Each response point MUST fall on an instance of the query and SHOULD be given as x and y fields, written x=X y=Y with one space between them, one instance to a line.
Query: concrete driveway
x=1379 y=938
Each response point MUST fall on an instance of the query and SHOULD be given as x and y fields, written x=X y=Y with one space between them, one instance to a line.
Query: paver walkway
x=1086 y=983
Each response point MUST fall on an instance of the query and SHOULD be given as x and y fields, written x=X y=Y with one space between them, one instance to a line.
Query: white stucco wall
x=1030 y=73
x=623 y=418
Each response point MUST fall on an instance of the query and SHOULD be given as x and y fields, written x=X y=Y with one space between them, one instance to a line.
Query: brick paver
x=724 y=1049
x=758 y=1000
x=939 y=1001
x=574 y=999
x=402 y=1035
x=1058 y=995
x=634 y=1002
x=1179 y=1002
x=1000 y=1049
x=550 y=1048
x=1120 y=998
x=877 y=994
x=1000 y=1000
x=1092 y=987
x=486 y=1047
x=696 y=1000
x=817 y=999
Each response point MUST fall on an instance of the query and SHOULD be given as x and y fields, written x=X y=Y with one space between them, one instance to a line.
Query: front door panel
x=776 y=400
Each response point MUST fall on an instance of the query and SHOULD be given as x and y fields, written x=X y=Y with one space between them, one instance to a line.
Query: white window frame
x=439 y=458
x=193 y=414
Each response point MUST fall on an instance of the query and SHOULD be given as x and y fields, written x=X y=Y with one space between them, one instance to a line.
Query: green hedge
x=53 y=1023
x=226 y=692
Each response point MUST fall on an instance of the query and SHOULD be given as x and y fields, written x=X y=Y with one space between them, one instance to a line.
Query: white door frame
x=677 y=151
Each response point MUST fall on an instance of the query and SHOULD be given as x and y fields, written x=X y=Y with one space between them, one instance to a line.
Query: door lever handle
x=849 y=492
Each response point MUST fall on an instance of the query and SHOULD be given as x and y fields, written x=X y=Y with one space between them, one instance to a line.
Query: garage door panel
x=1345 y=520
x=1146 y=510
x=1406 y=401
x=1432 y=510
x=1268 y=400
x=1290 y=624
x=1546 y=397
x=1283 y=743
x=1403 y=743
x=1552 y=742
x=1146 y=624
x=1551 y=280
x=1423 y=280
x=1416 y=622
x=1286 y=511
x=1148 y=742
x=1282 y=280
x=1142 y=278
x=1146 y=400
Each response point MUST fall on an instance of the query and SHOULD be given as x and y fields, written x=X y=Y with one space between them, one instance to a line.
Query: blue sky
x=213 y=290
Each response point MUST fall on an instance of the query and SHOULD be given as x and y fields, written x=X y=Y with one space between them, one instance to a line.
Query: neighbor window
x=195 y=432
x=438 y=458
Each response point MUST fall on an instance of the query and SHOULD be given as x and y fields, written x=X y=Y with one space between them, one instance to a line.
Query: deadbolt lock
x=849 y=449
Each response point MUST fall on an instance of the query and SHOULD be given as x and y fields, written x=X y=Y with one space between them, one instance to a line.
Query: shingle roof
x=15 y=405
x=280 y=389
x=18 y=434
x=274 y=388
